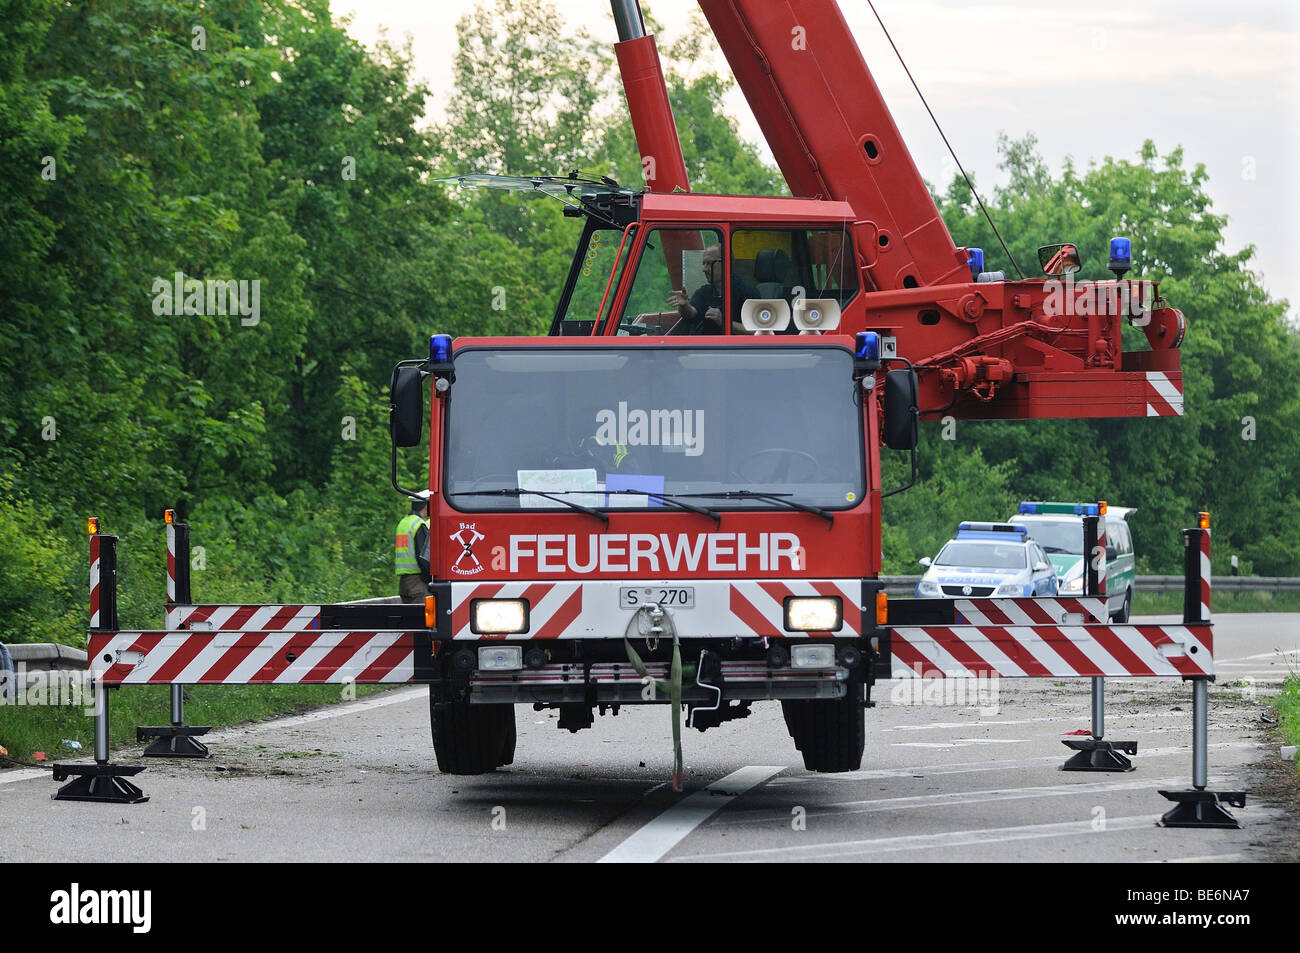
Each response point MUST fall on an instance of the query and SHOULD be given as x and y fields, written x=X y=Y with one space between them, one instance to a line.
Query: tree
x=1234 y=451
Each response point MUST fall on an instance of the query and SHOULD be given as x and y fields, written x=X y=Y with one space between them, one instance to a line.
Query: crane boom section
x=832 y=134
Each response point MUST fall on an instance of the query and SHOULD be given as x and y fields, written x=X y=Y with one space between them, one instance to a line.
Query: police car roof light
x=1075 y=509
x=971 y=527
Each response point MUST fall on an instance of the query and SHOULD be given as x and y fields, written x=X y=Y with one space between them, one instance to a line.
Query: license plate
x=680 y=597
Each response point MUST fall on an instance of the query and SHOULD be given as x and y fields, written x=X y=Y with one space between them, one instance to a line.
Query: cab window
x=596 y=265
x=679 y=284
x=808 y=263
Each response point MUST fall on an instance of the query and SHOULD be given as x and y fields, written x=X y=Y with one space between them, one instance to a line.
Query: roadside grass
x=26 y=729
x=1171 y=603
x=1288 y=713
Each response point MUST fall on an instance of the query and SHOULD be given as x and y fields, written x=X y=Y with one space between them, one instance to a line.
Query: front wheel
x=1127 y=608
x=471 y=739
x=832 y=734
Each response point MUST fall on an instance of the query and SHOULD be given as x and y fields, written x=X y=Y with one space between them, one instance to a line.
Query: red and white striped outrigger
x=313 y=644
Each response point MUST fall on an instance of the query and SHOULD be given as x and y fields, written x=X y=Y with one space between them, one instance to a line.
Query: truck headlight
x=812 y=656
x=498 y=616
x=814 y=614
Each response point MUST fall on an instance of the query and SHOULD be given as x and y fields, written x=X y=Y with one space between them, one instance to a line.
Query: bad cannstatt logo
x=466 y=564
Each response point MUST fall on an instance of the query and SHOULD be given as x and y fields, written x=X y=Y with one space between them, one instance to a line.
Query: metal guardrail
x=1223 y=583
x=906 y=585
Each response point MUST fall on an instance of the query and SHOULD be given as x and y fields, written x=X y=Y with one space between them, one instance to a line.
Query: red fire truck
x=685 y=477
x=676 y=497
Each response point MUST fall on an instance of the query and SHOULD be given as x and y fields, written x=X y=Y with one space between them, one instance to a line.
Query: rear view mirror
x=1041 y=566
x=1057 y=260
x=901 y=413
x=406 y=415
x=926 y=562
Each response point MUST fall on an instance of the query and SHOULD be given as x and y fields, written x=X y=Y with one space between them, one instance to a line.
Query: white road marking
x=947 y=839
x=321 y=714
x=957 y=743
x=1276 y=653
x=397 y=697
x=836 y=809
x=24 y=774
x=1204 y=859
x=966 y=767
x=664 y=833
x=980 y=723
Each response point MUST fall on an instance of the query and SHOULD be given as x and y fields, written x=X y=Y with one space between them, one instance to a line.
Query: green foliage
x=953 y=484
x=1235 y=451
x=1288 y=712
x=276 y=149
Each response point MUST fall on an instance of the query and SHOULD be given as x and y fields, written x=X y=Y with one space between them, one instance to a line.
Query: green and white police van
x=1058 y=528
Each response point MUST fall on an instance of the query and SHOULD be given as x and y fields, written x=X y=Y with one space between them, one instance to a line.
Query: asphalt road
x=939 y=783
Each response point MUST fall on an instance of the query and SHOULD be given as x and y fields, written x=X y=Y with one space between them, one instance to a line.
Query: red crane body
x=984 y=347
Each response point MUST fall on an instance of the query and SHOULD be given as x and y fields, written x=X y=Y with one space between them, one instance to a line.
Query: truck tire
x=472 y=739
x=831 y=735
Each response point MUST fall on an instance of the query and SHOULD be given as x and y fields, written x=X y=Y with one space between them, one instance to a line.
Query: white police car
x=988 y=560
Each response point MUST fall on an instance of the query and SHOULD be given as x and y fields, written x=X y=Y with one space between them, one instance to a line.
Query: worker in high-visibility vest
x=411 y=554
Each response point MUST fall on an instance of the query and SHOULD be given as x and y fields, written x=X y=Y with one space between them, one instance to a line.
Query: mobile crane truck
x=675 y=497
x=622 y=511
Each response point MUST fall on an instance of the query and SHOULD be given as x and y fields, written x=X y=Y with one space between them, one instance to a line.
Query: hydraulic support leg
x=1199 y=807
x=100 y=781
x=1095 y=753
x=177 y=739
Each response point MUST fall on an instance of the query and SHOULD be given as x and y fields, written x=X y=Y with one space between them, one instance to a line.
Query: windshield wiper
x=771 y=498
x=675 y=501
x=511 y=491
x=1057 y=549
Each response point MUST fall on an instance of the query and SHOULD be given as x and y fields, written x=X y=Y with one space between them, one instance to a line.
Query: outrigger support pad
x=1202 y=809
x=1095 y=755
x=106 y=783
x=174 y=741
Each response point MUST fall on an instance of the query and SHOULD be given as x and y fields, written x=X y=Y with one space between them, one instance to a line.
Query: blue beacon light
x=440 y=349
x=868 y=346
x=1121 y=256
x=976 y=261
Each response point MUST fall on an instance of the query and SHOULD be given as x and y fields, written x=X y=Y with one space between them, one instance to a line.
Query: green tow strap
x=673 y=688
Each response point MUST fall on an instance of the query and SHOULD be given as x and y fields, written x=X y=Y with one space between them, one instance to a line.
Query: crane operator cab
x=691 y=264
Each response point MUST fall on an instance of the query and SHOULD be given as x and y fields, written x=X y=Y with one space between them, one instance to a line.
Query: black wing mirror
x=406 y=415
x=901 y=413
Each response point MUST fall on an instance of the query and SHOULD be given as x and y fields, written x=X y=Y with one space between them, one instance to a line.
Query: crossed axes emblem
x=467 y=548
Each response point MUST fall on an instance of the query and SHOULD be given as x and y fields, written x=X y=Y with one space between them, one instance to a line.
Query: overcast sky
x=1220 y=79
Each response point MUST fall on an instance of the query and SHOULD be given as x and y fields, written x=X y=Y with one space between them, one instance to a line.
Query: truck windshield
x=616 y=428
